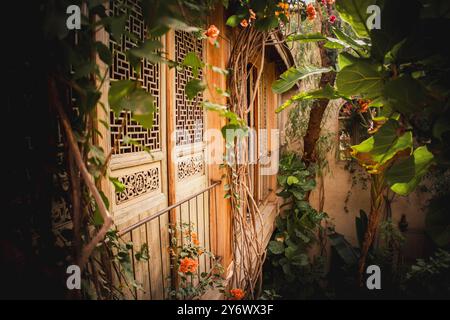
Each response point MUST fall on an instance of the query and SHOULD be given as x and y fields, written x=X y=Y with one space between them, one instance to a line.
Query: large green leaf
x=405 y=95
x=143 y=107
x=383 y=146
x=326 y=92
x=330 y=43
x=394 y=26
x=118 y=91
x=234 y=20
x=194 y=87
x=127 y=95
x=193 y=61
x=360 y=79
x=291 y=76
x=354 y=43
x=147 y=50
x=404 y=176
x=333 y=43
x=276 y=247
x=354 y=12
x=346 y=59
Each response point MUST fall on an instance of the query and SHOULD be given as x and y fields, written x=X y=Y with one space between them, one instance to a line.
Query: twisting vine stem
x=249 y=253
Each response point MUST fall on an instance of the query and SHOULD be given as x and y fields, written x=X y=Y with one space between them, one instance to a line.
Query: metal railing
x=155 y=273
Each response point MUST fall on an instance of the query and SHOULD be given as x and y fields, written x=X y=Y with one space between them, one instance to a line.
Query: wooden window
x=123 y=125
x=189 y=113
x=142 y=173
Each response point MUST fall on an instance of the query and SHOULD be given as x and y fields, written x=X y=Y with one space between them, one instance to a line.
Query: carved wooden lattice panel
x=138 y=183
x=190 y=166
x=189 y=113
x=149 y=79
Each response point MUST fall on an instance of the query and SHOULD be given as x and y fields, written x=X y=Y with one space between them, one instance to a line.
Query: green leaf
x=142 y=106
x=345 y=59
x=193 y=61
x=377 y=150
x=84 y=70
x=104 y=52
x=214 y=106
x=147 y=50
x=394 y=27
x=117 y=26
x=354 y=12
x=97 y=218
x=194 y=87
x=292 y=180
x=176 y=24
x=221 y=71
x=117 y=92
x=276 y=247
x=309 y=37
x=291 y=76
x=309 y=185
x=405 y=95
x=118 y=186
x=233 y=21
x=354 y=43
x=327 y=92
x=125 y=95
x=143 y=254
x=333 y=43
x=405 y=175
x=267 y=23
x=360 y=79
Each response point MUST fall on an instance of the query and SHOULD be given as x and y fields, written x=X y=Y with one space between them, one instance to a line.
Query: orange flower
x=212 y=33
x=283 y=6
x=244 y=23
x=195 y=238
x=363 y=105
x=237 y=294
x=330 y=2
x=311 y=11
x=188 y=265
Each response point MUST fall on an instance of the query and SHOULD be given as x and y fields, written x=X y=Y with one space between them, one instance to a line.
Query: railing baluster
x=161 y=255
x=148 y=264
x=144 y=222
x=132 y=263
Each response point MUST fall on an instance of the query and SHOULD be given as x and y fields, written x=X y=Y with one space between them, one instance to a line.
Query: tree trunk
x=317 y=111
x=376 y=211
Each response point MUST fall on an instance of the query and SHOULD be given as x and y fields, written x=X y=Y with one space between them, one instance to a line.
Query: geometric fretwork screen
x=124 y=125
x=188 y=113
